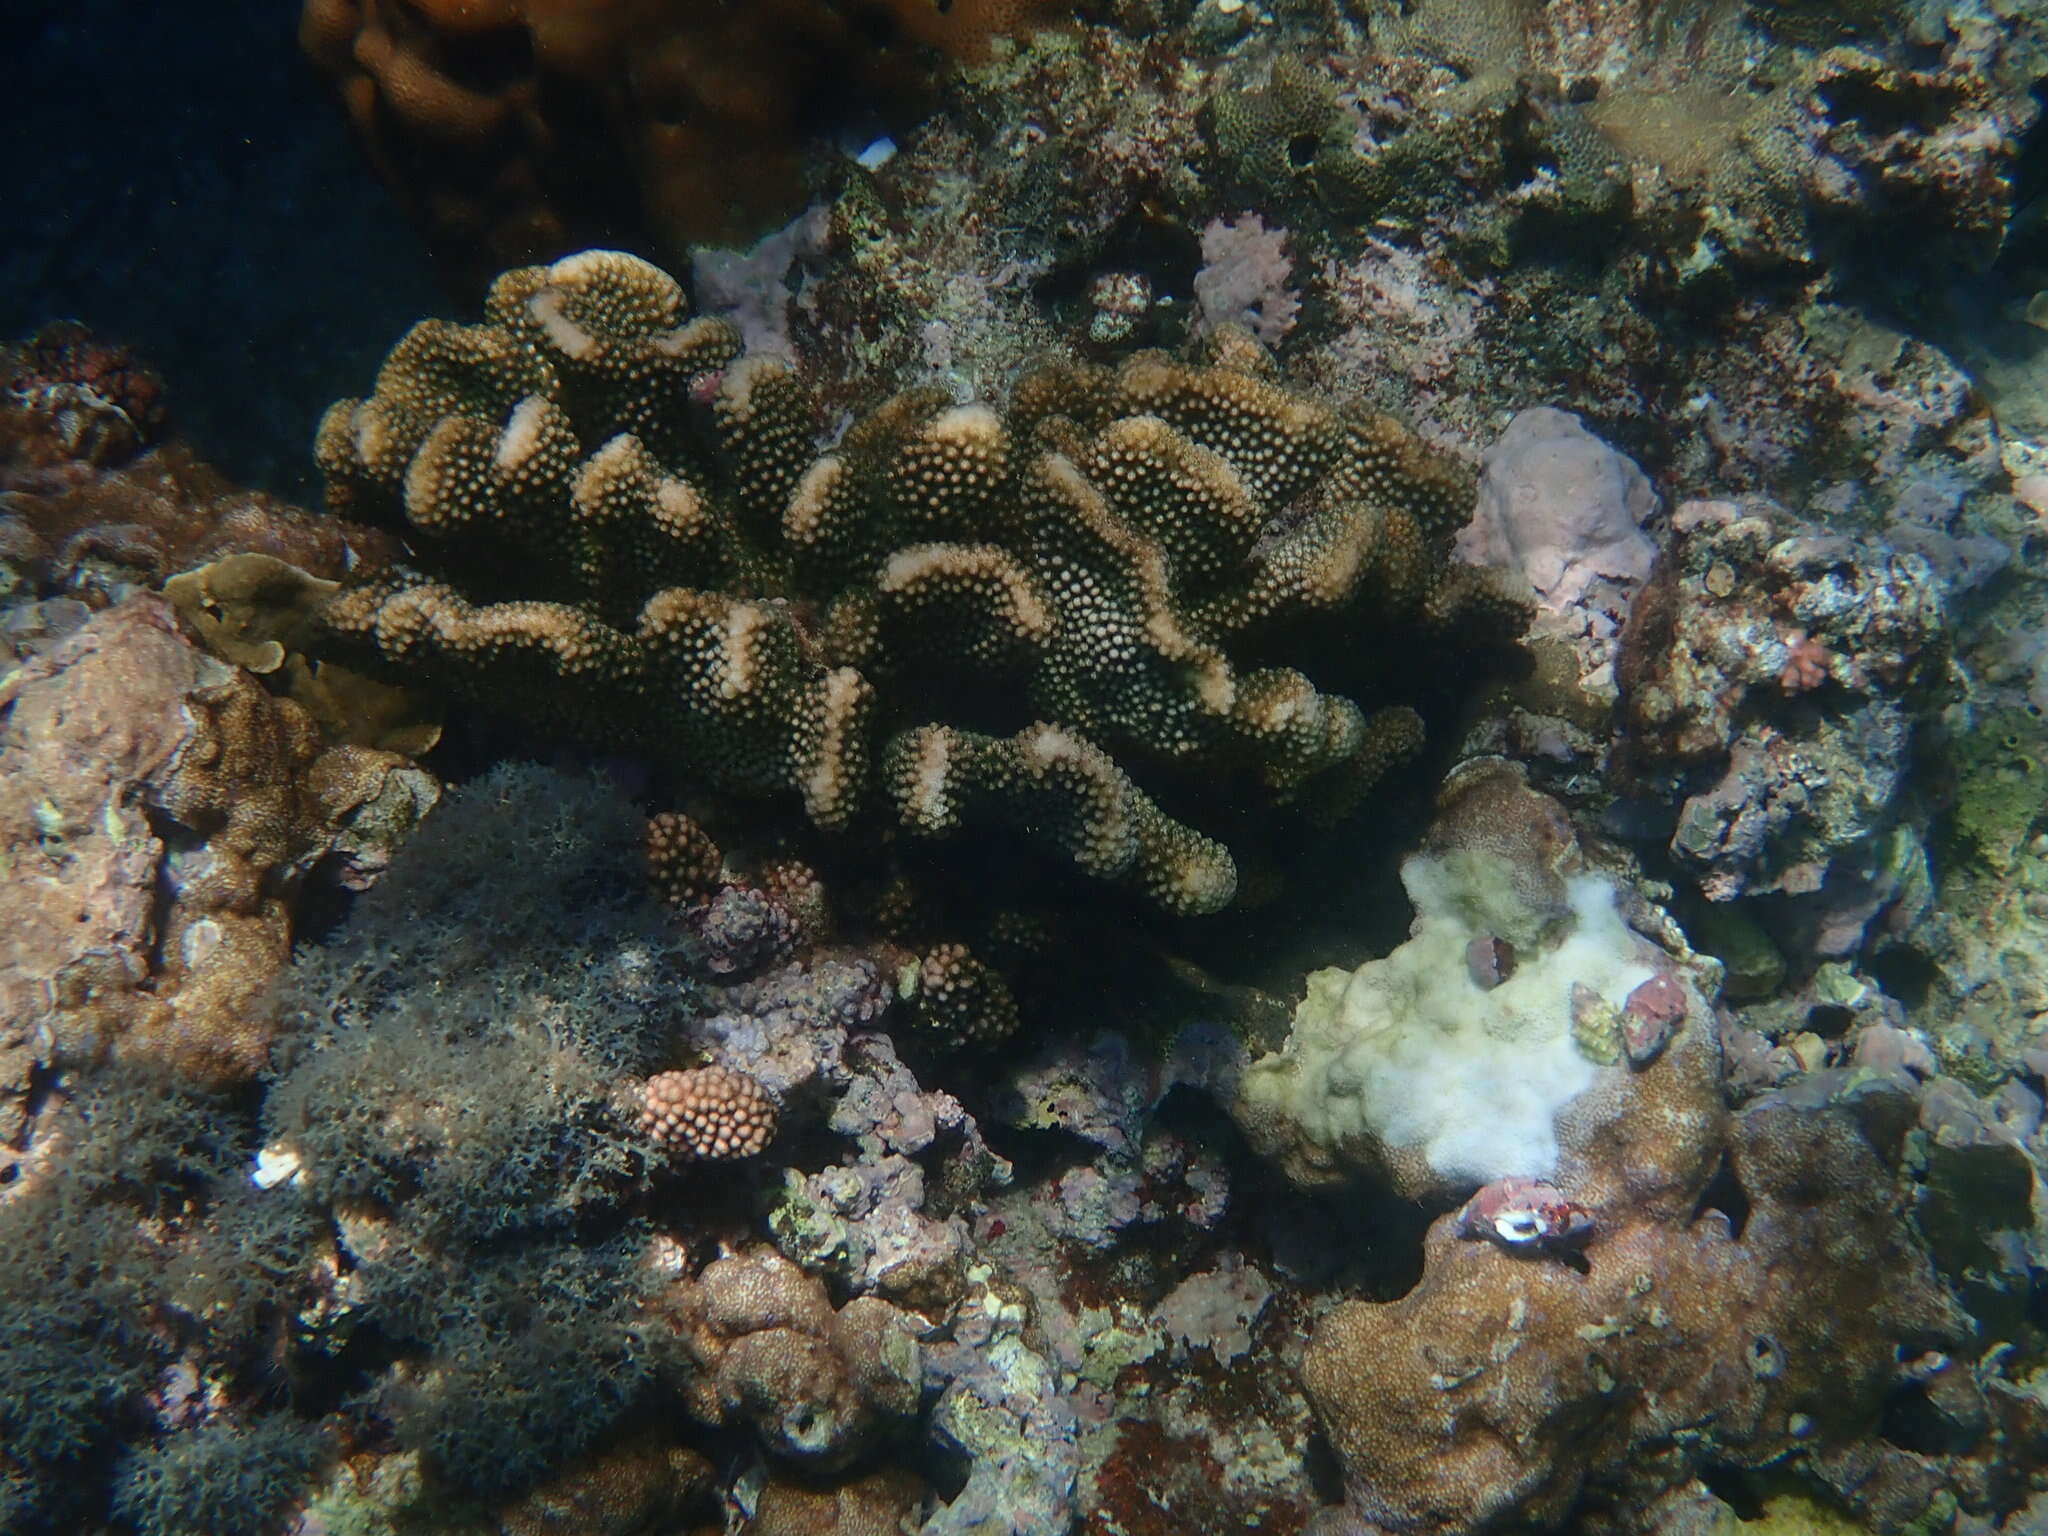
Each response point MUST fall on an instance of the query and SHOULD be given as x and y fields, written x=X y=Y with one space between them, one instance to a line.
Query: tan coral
x=629 y=1488
x=1131 y=564
x=961 y=1001
x=884 y=1502
x=159 y=810
x=708 y=1114
x=1508 y=1387
x=682 y=860
x=815 y=1385
x=262 y=614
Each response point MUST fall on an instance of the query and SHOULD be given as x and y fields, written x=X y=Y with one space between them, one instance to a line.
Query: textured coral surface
x=159 y=812
x=825 y=1097
x=1030 y=618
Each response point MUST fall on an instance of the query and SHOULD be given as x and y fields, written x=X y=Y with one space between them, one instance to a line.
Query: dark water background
x=182 y=180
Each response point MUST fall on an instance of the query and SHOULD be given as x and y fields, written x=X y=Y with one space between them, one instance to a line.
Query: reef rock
x=1773 y=676
x=158 y=810
x=1566 y=511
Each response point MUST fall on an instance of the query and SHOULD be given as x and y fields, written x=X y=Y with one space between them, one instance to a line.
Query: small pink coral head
x=711 y=1114
x=1806 y=666
x=1521 y=1212
x=1650 y=1017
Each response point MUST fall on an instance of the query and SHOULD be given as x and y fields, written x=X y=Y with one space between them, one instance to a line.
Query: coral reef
x=119 y=1299
x=160 y=812
x=71 y=529
x=98 y=503
x=523 y=1266
x=1662 y=224
x=961 y=1061
x=1142 y=550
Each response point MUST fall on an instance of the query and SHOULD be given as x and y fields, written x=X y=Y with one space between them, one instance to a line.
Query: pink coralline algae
x=1565 y=512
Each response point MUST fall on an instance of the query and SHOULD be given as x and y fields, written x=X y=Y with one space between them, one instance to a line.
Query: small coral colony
x=1145 y=768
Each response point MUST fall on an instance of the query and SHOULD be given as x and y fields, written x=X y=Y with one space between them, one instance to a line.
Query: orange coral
x=519 y=129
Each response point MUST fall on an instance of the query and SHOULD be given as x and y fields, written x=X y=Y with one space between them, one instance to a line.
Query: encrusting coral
x=816 y=1384
x=1053 y=619
x=159 y=813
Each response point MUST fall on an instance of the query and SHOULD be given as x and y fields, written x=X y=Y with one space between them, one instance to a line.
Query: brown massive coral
x=158 y=810
x=518 y=129
x=1059 y=620
x=817 y=1386
x=1513 y=1387
x=1699 y=1291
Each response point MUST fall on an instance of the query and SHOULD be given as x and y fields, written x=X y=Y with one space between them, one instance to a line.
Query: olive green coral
x=2001 y=794
x=1034 y=619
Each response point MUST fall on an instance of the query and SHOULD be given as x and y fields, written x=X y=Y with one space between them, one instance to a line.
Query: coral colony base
x=1276 y=769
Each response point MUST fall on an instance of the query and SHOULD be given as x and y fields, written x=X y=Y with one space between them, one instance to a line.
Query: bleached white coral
x=1411 y=1053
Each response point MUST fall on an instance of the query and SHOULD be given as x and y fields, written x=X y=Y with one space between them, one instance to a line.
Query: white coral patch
x=521 y=438
x=803 y=519
x=564 y=334
x=737 y=660
x=931 y=782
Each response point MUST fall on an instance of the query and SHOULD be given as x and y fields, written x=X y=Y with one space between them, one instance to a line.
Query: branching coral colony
x=1104 y=621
